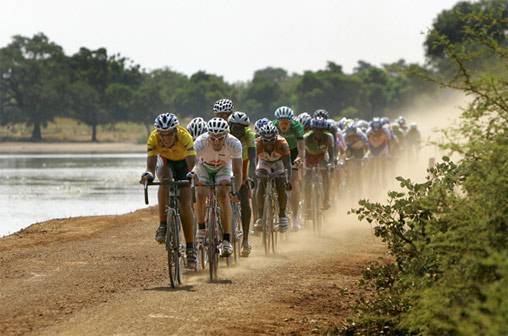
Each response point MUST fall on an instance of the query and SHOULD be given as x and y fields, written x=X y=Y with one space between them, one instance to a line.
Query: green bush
x=448 y=236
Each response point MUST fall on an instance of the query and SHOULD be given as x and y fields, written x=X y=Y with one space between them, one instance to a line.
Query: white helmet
x=304 y=119
x=217 y=126
x=268 y=132
x=284 y=112
x=239 y=118
x=223 y=105
x=196 y=127
x=166 y=122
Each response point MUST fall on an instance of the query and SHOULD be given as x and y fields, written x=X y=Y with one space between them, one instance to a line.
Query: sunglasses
x=217 y=139
x=167 y=133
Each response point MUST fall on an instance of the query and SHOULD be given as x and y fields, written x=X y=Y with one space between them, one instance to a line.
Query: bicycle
x=270 y=209
x=317 y=187
x=172 y=242
x=214 y=228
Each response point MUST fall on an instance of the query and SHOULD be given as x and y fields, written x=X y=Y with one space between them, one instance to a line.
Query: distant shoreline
x=70 y=148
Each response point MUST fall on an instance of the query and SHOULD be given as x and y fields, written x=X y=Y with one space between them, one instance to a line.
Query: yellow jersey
x=182 y=148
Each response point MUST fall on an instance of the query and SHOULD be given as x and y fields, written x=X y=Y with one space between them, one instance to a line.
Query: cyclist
x=196 y=127
x=379 y=138
x=239 y=125
x=260 y=123
x=363 y=125
x=273 y=156
x=413 y=139
x=356 y=142
x=292 y=131
x=402 y=123
x=319 y=148
x=223 y=108
x=219 y=157
x=304 y=119
x=321 y=114
x=174 y=146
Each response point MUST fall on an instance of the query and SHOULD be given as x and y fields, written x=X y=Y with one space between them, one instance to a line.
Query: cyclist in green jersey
x=293 y=132
x=319 y=146
x=239 y=125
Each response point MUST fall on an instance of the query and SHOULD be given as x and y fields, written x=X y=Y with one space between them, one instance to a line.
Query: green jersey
x=313 y=147
x=293 y=135
x=248 y=140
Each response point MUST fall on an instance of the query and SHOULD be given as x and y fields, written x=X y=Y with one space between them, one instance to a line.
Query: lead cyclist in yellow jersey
x=173 y=144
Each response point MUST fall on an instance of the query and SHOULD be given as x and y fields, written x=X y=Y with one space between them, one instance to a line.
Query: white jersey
x=208 y=156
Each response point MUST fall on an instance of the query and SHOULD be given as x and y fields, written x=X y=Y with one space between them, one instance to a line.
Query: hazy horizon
x=231 y=38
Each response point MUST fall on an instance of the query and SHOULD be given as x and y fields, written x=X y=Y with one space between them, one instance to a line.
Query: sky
x=231 y=38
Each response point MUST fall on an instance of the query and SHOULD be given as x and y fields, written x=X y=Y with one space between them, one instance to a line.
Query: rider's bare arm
x=237 y=172
x=301 y=149
x=286 y=160
x=151 y=162
x=191 y=161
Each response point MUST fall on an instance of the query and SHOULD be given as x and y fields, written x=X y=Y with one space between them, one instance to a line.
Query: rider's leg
x=280 y=184
x=226 y=213
x=186 y=214
x=260 y=195
x=160 y=234
x=202 y=176
x=163 y=173
x=179 y=170
x=245 y=211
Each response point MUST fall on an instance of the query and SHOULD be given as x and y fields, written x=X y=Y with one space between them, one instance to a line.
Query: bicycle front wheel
x=267 y=221
x=213 y=255
x=173 y=252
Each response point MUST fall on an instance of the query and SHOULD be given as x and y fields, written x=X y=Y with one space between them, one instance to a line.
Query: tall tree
x=34 y=81
x=110 y=80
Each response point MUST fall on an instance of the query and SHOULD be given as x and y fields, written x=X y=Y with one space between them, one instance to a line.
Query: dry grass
x=70 y=130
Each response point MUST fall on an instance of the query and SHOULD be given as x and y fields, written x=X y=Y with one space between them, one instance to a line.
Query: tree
x=196 y=98
x=109 y=80
x=34 y=81
x=453 y=26
x=330 y=89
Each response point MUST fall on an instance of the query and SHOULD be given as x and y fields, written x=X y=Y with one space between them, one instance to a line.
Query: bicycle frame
x=172 y=241
x=214 y=226
x=315 y=199
x=269 y=209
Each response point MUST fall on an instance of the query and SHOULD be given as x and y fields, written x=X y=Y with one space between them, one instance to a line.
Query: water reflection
x=34 y=188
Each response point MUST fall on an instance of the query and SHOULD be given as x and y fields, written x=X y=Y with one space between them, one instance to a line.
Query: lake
x=38 y=187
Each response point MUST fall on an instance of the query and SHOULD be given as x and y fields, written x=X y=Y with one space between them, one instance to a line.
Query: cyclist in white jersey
x=219 y=157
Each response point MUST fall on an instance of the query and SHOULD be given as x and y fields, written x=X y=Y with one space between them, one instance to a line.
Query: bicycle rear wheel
x=273 y=232
x=236 y=233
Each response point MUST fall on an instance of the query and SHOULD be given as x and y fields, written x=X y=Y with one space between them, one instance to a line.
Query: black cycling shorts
x=294 y=154
x=179 y=169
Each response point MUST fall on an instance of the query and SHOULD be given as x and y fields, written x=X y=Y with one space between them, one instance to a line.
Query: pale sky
x=231 y=38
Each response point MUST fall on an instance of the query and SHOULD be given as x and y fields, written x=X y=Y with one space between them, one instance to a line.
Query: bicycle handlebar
x=170 y=182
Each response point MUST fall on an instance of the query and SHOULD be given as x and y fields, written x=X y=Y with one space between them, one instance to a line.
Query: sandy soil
x=106 y=276
x=69 y=148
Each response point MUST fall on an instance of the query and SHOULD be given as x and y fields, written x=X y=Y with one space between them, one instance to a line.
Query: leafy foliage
x=449 y=235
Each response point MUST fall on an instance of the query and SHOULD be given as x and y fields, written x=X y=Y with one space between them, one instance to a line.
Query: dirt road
x=105 y=276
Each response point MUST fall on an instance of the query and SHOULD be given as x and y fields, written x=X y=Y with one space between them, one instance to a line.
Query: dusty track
x=105 y=276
